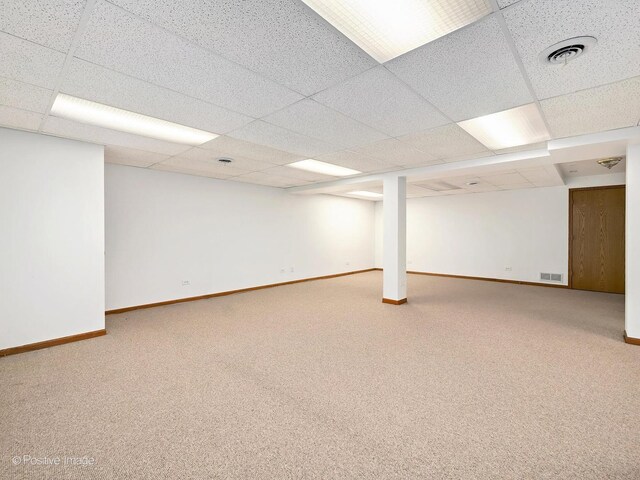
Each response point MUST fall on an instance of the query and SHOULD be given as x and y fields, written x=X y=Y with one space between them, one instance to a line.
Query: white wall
x=632 y=284
x=165 y=228
x=52 y=242
x=483 y=234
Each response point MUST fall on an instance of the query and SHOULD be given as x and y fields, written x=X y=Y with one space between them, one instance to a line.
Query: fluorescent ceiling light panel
x=363 y=193
x=510 y=128
x=386 y=29
x=325 y=168
x=100 y=115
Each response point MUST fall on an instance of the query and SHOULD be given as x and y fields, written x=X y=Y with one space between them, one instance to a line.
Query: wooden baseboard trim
x=488 y=279
x=231 y=292
x=394 y=302
x=631 y=340
x=52 y=343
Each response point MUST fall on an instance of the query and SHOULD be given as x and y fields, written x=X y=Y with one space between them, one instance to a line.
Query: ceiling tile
x=51 y=23
x=92 y=82
x=28 y=62
x=24 y=96
x=506 y=3
x=504 y=179
x=104 y=136
x=317 y=121
x=480 y=184
x=238 y=163
x=197 y=166
x=395 y=152
x=586 y=168
x=379 y=99
x=232 y=147
x=16 y=118
x=415 y=191
x=186 y=170
x=264 y=133
x=261 y=178
x=598 y=109
x=535 y=174
x=296 y=173
x=446 y=142
x=283 y=40
x=517 y=186
x=354 y=160
x=131 y=156
x=544 y=176
x=538 y=24
x=466 y=74
x=127 y=44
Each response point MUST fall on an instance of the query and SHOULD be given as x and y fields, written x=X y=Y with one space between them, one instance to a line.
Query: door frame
x=571 y=190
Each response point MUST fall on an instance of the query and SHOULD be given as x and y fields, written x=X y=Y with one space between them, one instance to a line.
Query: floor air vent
x=551 y=277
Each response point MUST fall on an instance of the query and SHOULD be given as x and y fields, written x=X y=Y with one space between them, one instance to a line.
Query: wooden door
x=596 y=243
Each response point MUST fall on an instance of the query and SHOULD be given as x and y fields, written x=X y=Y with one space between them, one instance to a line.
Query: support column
x=632 y=242
x=394 y=259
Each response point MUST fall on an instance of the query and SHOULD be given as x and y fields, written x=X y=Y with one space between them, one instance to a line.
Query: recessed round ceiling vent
x=564 y=52
x=225 y=160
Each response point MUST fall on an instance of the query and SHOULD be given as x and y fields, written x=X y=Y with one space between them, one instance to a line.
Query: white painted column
x=394 y=258
x=632 y=245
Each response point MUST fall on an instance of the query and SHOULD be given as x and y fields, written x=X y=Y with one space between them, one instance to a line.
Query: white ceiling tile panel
x=395 y=152
x=504 y=179
x=22 y=95
x=189 y=170
x=232 y=147
x=16 y=118
x=30 y=63
x=506 y=3
x=598 y=109
x=125 y=43
x=296 y=173
x=519 y=186
x=586 y=168
x=281 y=39
x=261 y=178
x=104 y=136
x=264 y=133
x=199 y=166
x=51 y=23
x=446 y=142
x=466 y=74
x=535 y=174
x=356 y=161
x=417 y=191
x=538 y=24
x=92 y=82
x=379 y=99
x=317 y=121
x=131 y=156
x=212 y=156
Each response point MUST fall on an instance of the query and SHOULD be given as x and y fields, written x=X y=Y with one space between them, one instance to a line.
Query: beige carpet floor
x=470 y=380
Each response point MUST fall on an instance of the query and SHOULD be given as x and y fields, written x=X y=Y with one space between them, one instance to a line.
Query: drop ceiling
x=279 y=84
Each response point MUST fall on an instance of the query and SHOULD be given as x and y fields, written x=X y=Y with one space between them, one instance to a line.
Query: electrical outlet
x=282 y=270
x=292 y=269
x=347 y=263
x=508 y=269
x=186 y=283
